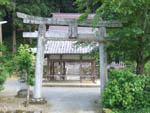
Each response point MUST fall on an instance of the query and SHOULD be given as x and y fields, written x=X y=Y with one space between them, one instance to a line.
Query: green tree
x=2 y=67
x=25 y=62
x=133 y=39
x=6 y=65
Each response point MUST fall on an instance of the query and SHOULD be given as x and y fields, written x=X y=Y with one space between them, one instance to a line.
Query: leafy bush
x=2 y=77
x=142 y=110
x=126 y=90
x=3 y=65
x=25 y=64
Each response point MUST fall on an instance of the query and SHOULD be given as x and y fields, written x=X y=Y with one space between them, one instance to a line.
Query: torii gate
x=1 y=39
x=73 y=34
x=1 y=22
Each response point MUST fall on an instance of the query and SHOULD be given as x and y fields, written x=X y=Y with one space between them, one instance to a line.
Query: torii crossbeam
x=72 y=34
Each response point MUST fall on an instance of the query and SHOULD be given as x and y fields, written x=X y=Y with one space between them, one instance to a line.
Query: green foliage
x=147 y=69
x=25 y=62
x=126 y=91
x=131 y=42
x=5 y=70
x=142 y=110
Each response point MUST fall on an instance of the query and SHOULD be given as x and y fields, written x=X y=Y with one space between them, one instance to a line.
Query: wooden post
x=53 y=68
x=93 y=70
x=47 y=65
x=81 y=70
x=39 y=62
x=106 y=70
x=0 y=36
x=103 y=63
x=0 y=33
x=64 y=71
x=73 y=30
x=48 y=68
x=61 y=70
x=64 y=68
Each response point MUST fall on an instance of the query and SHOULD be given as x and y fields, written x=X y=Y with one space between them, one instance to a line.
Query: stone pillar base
x=38 y=101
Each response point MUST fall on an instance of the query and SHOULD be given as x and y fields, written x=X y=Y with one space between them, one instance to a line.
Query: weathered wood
x=48 y=65
x=0 y=33
x=106 y=70
x=64 y=36
x=72 y=60
x=0 y=37
x=95 y=76
x=53 y=68
x=14 y=49
x=93 y=71
x=65 y=22
x=80 y=69
x=64 y=68
x=102 y=32
x=73 y=31
x=39 y=62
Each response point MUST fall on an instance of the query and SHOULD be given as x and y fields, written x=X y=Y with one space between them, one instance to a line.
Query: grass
x=143 y=110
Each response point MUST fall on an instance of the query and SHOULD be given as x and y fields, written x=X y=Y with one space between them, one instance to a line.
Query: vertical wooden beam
x=93 y=70
x=53 y=68
x=47 y=65
x=81 y=69
x=106 y=70
x=103 y=64
x=64 y=72
x=94 y=64
x=73 y=30
x=14 y=39
x=0 y=33
x=39 y=62
x=0 y=36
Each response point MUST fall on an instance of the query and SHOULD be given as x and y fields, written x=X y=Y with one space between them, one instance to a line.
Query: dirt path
x=60 y=100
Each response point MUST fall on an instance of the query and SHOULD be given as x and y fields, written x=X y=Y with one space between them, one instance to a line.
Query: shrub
x=2 y=77
x=25 y=63
x=126 y=90
x=2 y=66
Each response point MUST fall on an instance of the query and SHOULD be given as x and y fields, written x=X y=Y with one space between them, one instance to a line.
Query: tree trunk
x=140 y=67
x=140 y=56
x=28 y=95
x=140 y=59
x=14 y=27
x=14 y=39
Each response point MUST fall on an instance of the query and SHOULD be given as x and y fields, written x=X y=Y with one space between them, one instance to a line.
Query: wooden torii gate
x=2 y=22
x=1 y=39
x=72 y=34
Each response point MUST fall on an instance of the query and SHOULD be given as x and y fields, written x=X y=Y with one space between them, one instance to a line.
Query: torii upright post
x=1 y=39
x=39 y=62
x=102 y=58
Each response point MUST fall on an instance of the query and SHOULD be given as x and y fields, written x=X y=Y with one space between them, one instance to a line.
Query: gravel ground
x=60 y=100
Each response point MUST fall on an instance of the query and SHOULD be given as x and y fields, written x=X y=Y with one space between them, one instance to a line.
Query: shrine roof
x=65 y=47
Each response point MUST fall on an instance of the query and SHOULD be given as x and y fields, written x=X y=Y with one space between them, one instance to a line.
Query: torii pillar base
x=38 y=101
